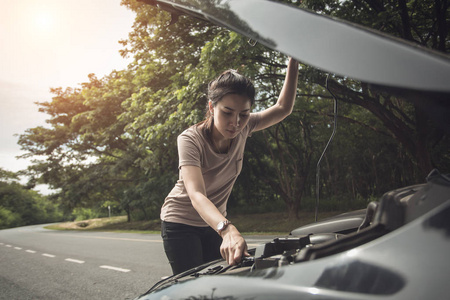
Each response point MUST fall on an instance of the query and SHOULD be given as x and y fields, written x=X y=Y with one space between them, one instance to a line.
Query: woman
x=194 y=225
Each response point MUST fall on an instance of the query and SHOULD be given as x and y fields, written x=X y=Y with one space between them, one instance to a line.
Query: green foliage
x=9 y=219
x=80 y=214
x=112 y=141
x=20 y=206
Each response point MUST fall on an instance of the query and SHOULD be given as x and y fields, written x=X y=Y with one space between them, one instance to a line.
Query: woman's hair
x=229 y=82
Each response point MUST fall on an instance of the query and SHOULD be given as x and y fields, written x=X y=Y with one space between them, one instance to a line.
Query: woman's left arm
x=285 y=102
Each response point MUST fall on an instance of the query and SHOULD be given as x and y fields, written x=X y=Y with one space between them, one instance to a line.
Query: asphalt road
x=36 y=263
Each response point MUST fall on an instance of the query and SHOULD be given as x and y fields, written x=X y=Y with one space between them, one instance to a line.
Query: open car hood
x=329 y=44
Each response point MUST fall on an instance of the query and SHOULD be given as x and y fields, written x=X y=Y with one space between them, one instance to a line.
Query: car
x=396 y=248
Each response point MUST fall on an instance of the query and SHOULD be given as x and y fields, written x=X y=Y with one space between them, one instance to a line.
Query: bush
x=80 y=214
x=9 y=219
x=20 y=206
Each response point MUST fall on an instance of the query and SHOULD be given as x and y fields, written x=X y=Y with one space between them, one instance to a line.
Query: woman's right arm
x=195 y=186
x=233 y=245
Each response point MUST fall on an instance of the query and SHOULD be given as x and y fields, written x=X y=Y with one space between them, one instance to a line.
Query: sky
x=48 y=44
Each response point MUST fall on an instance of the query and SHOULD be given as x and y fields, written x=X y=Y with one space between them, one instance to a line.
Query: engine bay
x=331 y=236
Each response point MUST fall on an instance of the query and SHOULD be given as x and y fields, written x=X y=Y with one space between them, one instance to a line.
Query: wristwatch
x=222 y=225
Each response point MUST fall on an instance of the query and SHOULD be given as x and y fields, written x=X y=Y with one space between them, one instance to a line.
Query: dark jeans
x=189 y=246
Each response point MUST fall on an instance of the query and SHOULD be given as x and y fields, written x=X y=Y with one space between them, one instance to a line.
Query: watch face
x=220 y=226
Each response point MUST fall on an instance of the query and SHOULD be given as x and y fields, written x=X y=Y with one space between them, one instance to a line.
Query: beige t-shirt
x=219 y=173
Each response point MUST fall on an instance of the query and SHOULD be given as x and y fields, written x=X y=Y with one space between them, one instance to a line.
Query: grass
x=266 y=223
x=117 y=224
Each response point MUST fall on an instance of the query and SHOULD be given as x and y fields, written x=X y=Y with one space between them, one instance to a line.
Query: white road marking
x=74 y=260
x=115 y=269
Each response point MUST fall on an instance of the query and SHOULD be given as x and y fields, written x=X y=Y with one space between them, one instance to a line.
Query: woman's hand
x=233 y=246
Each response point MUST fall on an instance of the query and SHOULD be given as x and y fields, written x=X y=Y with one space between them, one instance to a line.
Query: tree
x=113 y=132
x=113 y=140
x=423 y=22
x=20 y=206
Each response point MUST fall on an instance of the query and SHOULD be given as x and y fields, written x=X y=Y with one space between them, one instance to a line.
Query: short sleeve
x=189 y=150
x=253 y=122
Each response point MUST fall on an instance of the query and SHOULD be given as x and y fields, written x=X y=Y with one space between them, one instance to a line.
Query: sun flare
x=43 y=21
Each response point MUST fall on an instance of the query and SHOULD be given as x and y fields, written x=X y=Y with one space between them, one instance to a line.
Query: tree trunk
x=128 y=210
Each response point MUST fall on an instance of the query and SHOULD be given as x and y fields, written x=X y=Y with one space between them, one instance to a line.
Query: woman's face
x=231 y=114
